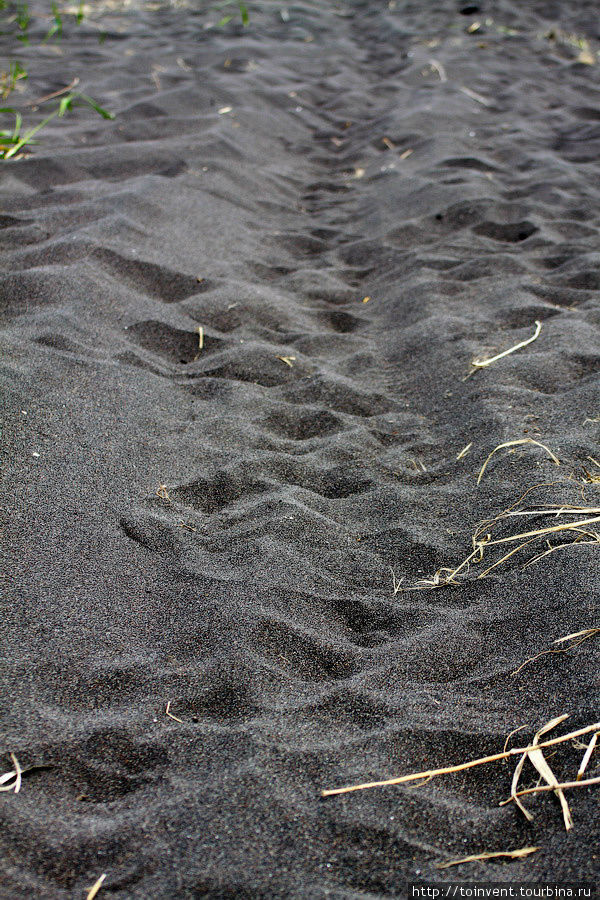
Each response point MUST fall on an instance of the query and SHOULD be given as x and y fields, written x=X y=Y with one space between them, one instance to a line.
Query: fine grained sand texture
x=215 y=526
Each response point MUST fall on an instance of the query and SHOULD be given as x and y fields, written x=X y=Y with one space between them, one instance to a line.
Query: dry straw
x=478 y=857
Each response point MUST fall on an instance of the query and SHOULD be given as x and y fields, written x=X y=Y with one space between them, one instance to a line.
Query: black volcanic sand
x=256 y=594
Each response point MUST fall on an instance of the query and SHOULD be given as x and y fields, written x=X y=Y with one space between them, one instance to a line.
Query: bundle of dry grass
x=495 y=541
x=581 y=524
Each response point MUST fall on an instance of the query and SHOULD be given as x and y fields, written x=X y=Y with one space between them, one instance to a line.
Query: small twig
x=482 y=363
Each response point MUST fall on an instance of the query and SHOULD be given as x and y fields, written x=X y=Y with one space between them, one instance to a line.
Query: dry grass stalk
x=288 y=360
x=484 y=102
x=447 y=770
x=185 y=525
x=396 y=582
x=594 y=539
x=11 y=781
x=438 y=67
x=171 y=716
x=544 y=788
x=577 y=638
x=510 y=734
x=446 y=575
x=584 y=634
x=483 y=363
x=538 y=760
x=567 y=510
x=163 y=493
x=587 y=756
x=464 y=451
x=592 y=477
x=95 y=888
x=540 y=532
x=477 y=857
x=200 y=337
x=514 y=784
x=517 y=443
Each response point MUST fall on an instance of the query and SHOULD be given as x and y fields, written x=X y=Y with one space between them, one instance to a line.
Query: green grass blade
x=65 y=105
x=27 y=137
x=96 y=106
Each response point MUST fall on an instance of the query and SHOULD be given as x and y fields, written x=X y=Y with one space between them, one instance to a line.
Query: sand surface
x=215 y=526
